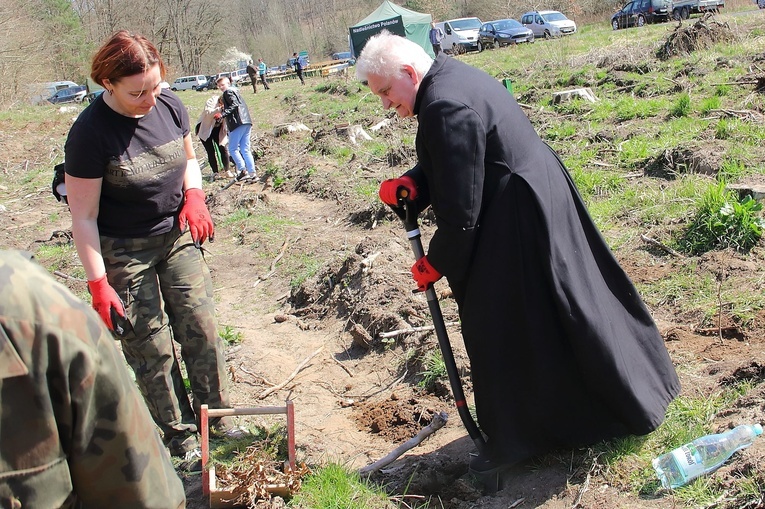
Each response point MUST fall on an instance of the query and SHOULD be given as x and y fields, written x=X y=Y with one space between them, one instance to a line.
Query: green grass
x=230 y=335
x=61 y=257
x=723 y=220
x=434 y=369
x=334 y=486
x=629 y=459
x=302 y=267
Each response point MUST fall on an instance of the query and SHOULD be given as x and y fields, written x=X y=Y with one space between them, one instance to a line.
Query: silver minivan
x=548 y=24
x=189 y=83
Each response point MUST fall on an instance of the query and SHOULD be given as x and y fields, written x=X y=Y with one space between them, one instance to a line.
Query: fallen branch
x=341 y=365
x=262 y=379
x=742 y=82
x=438 y=422
x=293 y=375
x=400 y=332
x=272 y=269
x=67 y=276
x=656 y=243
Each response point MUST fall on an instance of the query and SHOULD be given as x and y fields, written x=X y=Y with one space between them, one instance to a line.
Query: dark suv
x=639 y=12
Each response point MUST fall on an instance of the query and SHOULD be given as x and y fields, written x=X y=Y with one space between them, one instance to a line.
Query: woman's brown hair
x=125 y=54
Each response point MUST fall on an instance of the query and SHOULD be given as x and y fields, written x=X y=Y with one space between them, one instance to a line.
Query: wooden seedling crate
x=220 y=497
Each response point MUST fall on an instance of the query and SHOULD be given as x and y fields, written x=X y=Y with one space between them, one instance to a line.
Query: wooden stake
x=438 y=422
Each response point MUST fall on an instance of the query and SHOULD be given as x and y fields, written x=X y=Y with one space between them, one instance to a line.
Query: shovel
x=413 y=233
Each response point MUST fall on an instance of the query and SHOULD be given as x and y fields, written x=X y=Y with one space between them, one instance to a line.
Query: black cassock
x=563 y=351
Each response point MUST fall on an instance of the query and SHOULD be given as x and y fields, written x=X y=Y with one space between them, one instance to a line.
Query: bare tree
x=192 y=26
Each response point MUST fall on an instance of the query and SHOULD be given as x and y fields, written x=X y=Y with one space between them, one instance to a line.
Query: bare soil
x=359 y=396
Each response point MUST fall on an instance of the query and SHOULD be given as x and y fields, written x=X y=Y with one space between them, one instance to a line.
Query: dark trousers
x=217 y=155
x=299 y=73
x=263 y=80
x=254 y=81
x=436 y=49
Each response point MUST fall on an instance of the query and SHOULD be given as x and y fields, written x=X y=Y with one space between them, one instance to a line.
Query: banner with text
x=360 y=35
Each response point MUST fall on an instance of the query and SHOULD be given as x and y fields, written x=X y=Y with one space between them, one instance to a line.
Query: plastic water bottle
x=702 y=456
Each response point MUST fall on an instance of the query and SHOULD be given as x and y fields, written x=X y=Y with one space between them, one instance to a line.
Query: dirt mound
x=394 y=419
x=701 y=35
x=685 y=160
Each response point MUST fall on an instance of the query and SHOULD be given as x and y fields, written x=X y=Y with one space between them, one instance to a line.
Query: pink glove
x=106 y=302
x=424 y=274
x=195 y=213
x=389 y=190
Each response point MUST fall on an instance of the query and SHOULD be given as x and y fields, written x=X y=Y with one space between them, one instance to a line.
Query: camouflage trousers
x=165 y=284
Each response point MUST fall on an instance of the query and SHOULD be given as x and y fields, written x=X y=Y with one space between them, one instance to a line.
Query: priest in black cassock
x=563 y=351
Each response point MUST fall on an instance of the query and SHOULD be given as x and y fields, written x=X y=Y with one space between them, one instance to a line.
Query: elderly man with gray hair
x=563 y=351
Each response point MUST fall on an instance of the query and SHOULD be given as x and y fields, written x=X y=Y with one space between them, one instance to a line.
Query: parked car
x=639 y=12
x=240 y=77
x=548 y=23
x=211 y=84
x=343 y=55
x=460 y=35
x=189 y=83
x=39 y=93
x=69 y=95
x=212 y=81
x=502 y=32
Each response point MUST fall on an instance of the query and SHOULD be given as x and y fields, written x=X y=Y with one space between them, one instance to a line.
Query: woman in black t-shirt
x=139 y=219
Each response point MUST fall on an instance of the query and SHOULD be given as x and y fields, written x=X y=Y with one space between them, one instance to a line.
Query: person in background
x=139 y=221
x=262 y=69
x=253 y=74
x=214 y=137
x=563 y=351
x=75 y=431
x=239 y=125
x=298 y=67
x=436 y=35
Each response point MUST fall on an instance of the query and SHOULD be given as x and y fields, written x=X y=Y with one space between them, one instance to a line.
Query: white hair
x=386 y=54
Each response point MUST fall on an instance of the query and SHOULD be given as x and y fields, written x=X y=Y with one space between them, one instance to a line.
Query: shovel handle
x=413 y=233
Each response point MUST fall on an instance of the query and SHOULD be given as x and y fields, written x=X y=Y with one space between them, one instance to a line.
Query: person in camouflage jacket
x=75 y=432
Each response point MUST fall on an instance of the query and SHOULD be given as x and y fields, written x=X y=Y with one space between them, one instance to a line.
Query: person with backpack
x=139 y=220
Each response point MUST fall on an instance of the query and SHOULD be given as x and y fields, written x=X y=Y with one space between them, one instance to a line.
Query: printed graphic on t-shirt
x=143 y=168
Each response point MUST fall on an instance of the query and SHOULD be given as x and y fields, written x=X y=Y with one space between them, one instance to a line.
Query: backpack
x=58 y=186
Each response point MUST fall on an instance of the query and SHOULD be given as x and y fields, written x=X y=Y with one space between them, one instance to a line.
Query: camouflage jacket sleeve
x=74 y=428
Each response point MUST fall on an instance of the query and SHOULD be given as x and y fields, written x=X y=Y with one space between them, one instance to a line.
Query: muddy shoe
x=179 y=445
x=191 y=461
x=485 y=465
x=228 y=431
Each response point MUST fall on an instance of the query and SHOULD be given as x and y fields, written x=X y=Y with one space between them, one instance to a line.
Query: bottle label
x=689 y=460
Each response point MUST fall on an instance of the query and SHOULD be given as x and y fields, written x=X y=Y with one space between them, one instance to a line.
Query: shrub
x=721 y=221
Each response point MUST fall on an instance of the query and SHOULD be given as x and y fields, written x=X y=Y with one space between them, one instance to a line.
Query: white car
x=548 y=24
x=460 y=35
x=189 y=83
x=240 y=77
